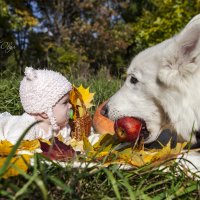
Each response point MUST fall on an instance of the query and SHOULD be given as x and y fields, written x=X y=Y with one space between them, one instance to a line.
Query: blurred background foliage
x=81 y=38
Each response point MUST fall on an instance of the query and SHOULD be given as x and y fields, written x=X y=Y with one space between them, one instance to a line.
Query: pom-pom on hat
x=40 y=90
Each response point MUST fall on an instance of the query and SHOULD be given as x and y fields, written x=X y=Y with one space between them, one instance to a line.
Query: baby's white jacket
x=13 y=126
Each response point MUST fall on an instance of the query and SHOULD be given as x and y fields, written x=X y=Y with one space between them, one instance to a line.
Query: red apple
x=128 y=129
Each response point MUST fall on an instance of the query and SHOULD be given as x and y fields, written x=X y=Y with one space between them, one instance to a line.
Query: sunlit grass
x=10 y=101
x=53 y=181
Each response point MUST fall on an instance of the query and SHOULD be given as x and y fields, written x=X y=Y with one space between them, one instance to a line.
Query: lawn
x=53 y=181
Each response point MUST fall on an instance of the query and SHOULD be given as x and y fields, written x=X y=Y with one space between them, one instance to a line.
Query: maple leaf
x=5 y=147
x=107 y=149
x=57 y=150
x=80 y=99
x=17 y=162
x=86 y=96
x=77 y=145
x=29 y=145
x=74 y=96
x=87 y=146
x=96 y=151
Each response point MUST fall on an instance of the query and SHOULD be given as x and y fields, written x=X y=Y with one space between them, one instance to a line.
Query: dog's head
x=163 y=85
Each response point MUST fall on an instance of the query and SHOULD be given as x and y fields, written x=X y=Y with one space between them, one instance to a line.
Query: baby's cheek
x=69 y=106
x=68 y=110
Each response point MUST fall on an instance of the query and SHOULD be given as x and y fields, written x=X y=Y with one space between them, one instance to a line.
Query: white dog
x=163 y=87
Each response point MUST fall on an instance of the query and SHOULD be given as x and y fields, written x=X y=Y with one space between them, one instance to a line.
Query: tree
x=16 y=19
x=93 y=29
x=160 y=20
x=5 y=34
x=75 y=36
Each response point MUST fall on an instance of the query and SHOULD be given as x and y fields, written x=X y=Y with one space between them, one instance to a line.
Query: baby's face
x=61 y=111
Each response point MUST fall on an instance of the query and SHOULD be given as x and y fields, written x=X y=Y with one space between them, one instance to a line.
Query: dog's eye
x=133 y=80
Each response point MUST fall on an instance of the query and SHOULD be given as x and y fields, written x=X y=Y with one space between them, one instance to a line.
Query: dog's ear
x=181 y=57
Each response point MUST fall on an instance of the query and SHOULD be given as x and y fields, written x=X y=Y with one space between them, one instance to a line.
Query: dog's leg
x=164 y=138
x=197 y=145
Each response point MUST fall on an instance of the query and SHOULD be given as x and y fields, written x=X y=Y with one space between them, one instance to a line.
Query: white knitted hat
x=40 y=90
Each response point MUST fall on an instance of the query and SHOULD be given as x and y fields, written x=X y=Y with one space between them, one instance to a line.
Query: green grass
x=10 y=101
x=44 y=181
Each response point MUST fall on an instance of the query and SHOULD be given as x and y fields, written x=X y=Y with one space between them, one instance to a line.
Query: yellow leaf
x=179 y=147
x=131 y=156
x=105 y=140
x=80 y=99
x=167 y=153
x=74 y=96
x=86 y=145
x=134 y=157
x=60 y=138
x=81 y=111
x=29 y=145
x=76 y=144
x=20 y=162
x=46 y=141
x=86 y=96
x=5 y=147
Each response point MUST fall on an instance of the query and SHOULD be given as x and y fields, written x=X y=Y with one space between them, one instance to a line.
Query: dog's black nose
x=104 y=110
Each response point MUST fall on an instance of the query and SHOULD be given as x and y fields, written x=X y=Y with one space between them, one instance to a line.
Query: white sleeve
x=14 y=126
x=4 y=114
x=65 y=133
x=4 y=118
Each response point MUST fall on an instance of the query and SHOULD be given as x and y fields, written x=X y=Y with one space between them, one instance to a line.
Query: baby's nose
x=69 y=105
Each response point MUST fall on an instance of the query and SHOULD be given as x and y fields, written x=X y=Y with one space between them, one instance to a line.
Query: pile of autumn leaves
x=55 y=149
x=106 y=151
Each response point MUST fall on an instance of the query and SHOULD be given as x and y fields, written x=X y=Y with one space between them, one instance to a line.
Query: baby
x=44 y=95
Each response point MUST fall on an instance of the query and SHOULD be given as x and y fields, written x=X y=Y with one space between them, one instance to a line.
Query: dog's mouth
x=144 y=131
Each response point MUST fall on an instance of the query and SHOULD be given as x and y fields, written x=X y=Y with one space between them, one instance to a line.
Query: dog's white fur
x=167 y=94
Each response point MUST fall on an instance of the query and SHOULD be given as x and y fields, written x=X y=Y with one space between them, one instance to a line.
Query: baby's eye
x=66 y=102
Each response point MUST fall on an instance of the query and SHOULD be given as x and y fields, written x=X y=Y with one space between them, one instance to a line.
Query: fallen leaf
x=87 y=145
x=57 y=150
x=20 y=162
x=106 y=149
x=74 y=96
x=81 y=110
x=105 y=140
x=80 y=99
x=5 y=147
x=77 y=145
x=87 y=97
x=29 y=145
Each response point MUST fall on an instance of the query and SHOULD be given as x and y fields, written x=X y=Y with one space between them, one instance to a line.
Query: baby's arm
x=66 y=133
x=12 y=127
x=4 y=118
